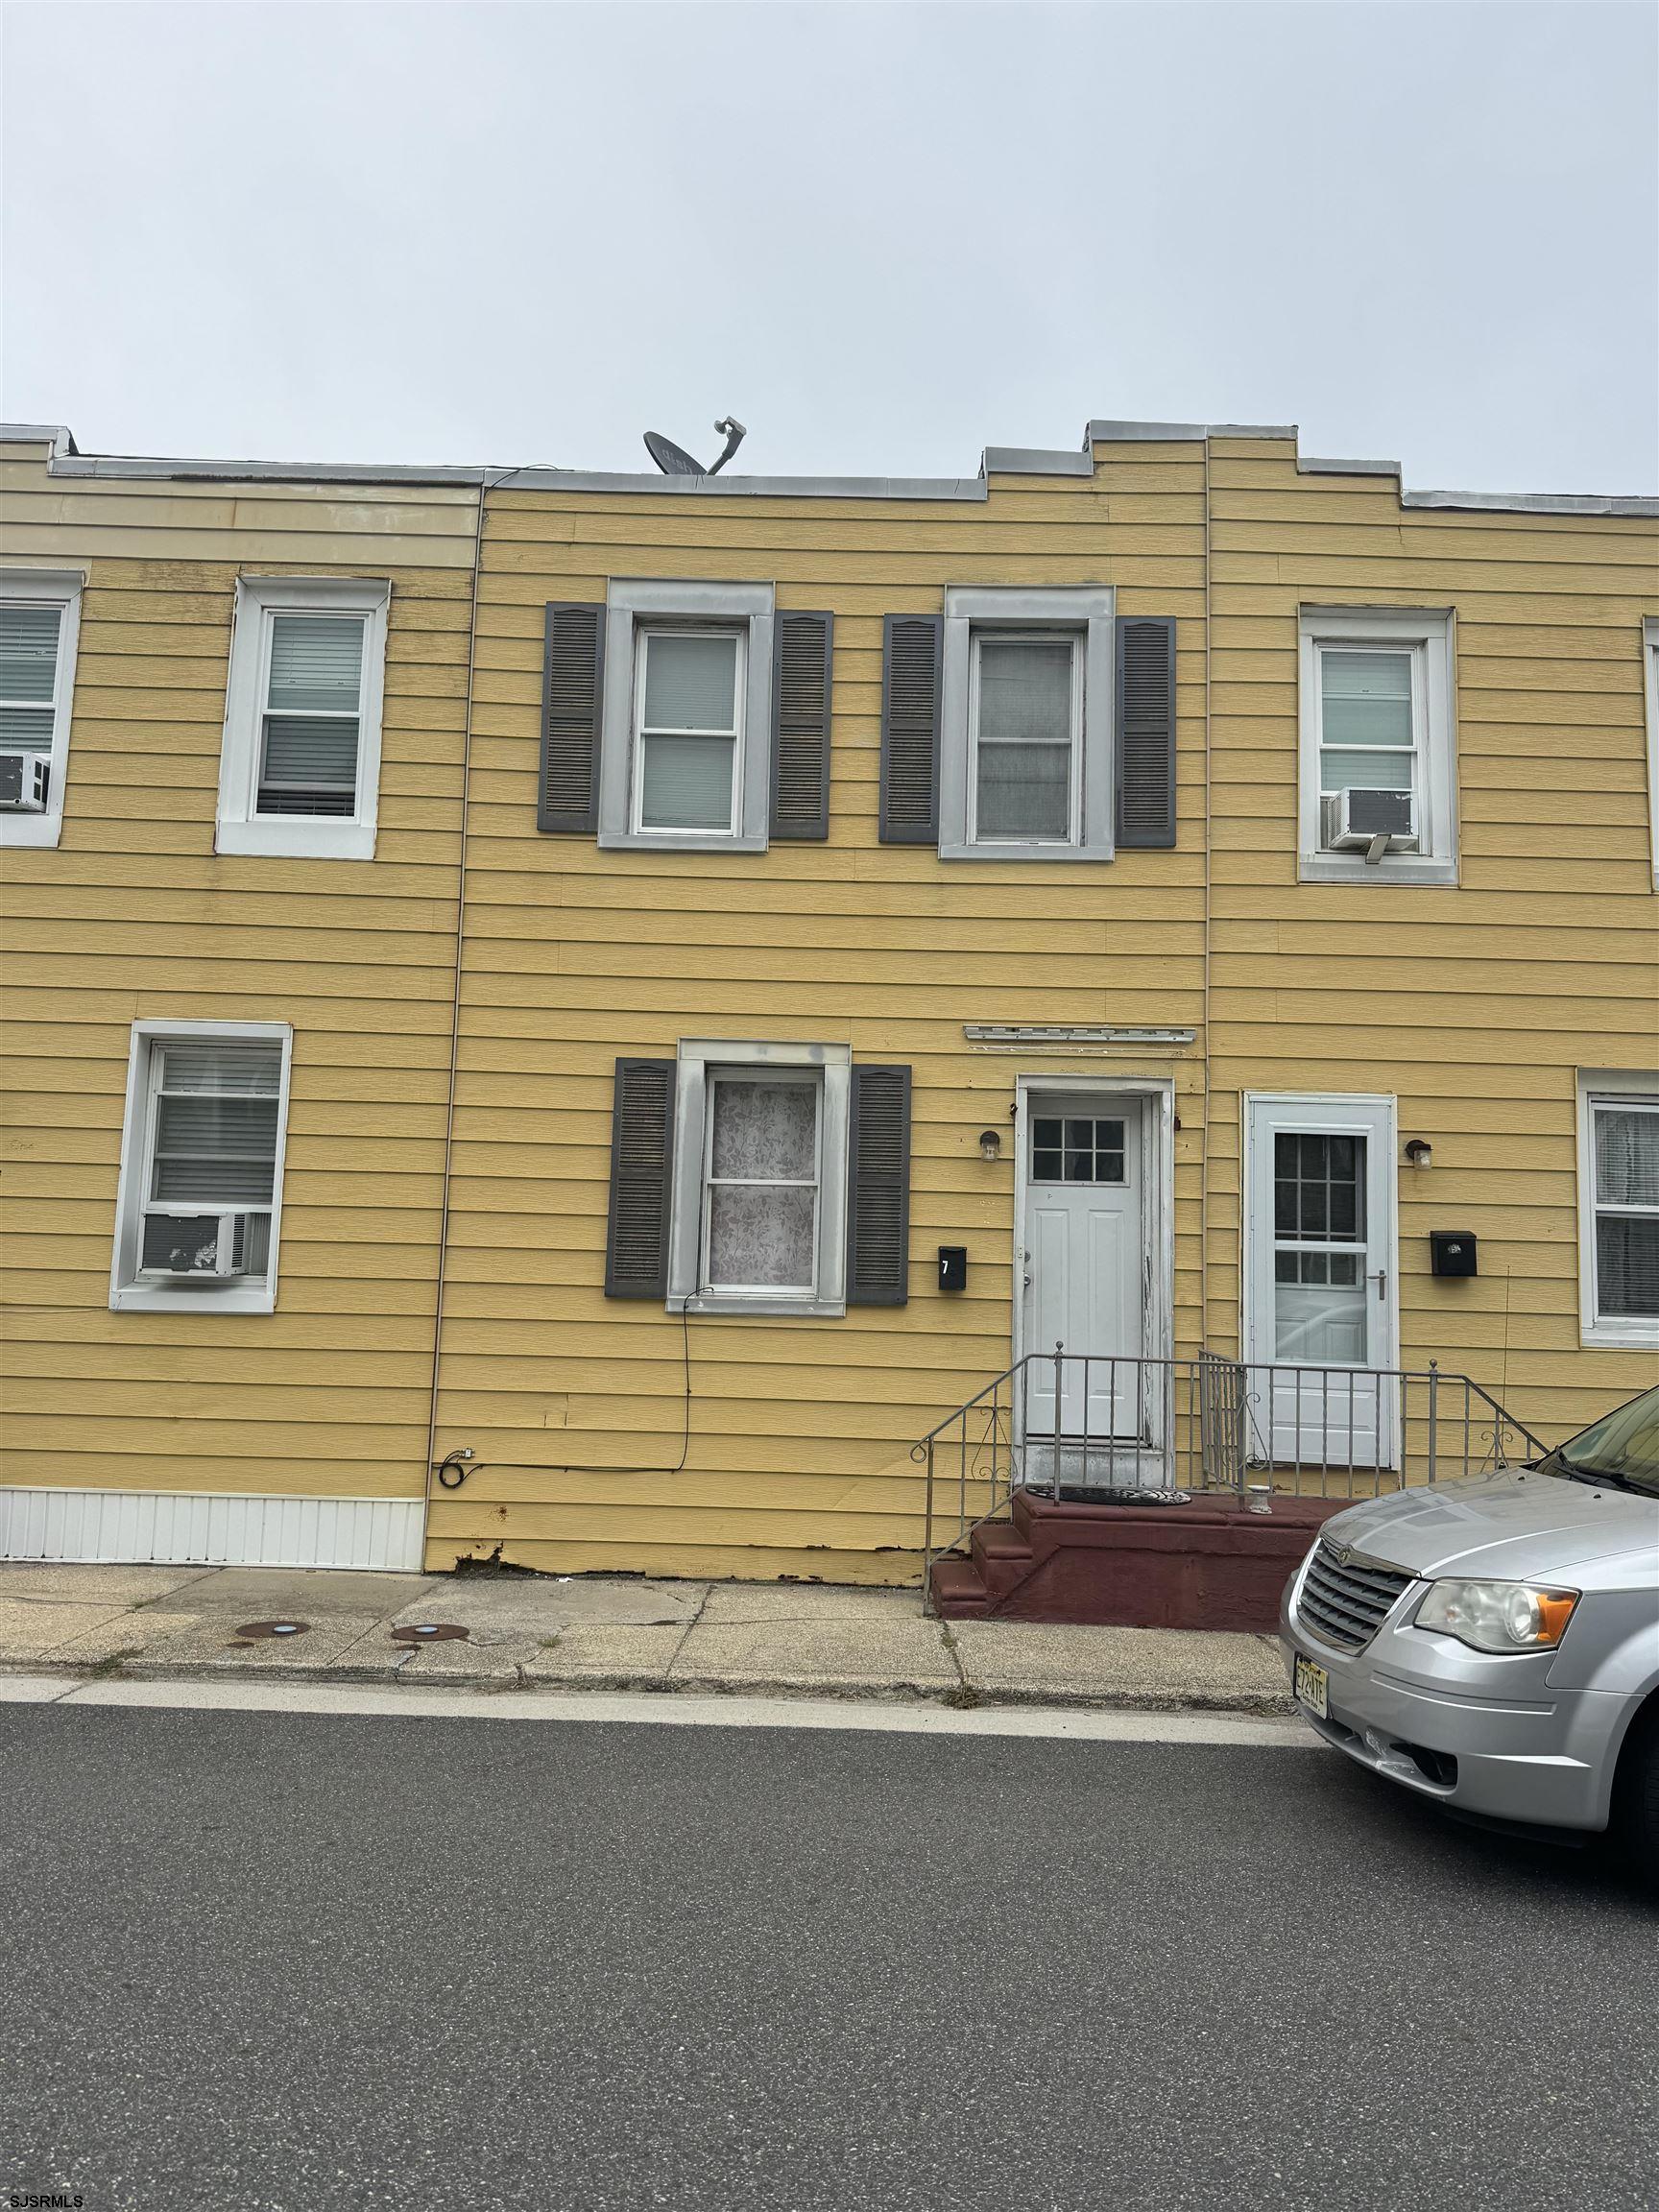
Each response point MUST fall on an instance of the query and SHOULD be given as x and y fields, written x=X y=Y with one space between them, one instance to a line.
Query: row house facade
x=574 y=1017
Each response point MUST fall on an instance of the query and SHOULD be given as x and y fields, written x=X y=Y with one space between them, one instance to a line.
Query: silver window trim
x=1084 y=610
x=634 y=600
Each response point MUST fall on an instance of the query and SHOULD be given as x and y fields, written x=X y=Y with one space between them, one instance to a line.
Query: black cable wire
x=541 y=1467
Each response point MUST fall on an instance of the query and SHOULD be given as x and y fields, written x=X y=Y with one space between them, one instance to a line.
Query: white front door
x=1319 y=1294
x=1085 y=1271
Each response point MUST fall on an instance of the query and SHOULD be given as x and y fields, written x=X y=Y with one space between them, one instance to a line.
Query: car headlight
x=1497 y=1616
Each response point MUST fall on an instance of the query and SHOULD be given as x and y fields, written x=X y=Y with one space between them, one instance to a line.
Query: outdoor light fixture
x=990 y=1144
x=1419 y=1152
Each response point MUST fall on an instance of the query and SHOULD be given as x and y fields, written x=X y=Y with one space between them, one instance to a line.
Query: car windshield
x=1623 y=1447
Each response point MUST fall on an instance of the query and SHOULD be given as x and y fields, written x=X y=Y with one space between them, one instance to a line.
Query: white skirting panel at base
x=187 y=1528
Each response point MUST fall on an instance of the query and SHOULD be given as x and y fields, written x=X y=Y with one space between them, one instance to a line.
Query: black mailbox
x=953 y=1266
x=1452 y=1252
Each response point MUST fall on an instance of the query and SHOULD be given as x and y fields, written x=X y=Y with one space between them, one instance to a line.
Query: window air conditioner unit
x=1351 y=821
x=194 y=1247
x=23 y=782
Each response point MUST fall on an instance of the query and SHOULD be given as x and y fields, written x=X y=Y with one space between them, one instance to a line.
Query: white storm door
x=1084 y=1237
x=1319 y=1290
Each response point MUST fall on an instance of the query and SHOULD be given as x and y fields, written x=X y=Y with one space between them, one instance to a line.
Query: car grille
x=1344 y=1602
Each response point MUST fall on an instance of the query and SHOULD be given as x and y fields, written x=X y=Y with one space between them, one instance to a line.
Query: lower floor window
x=760 y=1216
x=201 y=1165
x=1626 y=1257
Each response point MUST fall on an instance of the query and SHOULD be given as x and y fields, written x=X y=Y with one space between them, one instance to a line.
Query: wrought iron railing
x=1093 y=1426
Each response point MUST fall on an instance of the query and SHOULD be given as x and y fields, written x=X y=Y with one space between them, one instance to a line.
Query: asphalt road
x=260 y=1960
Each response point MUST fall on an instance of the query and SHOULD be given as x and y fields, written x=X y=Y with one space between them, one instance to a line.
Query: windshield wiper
x=1597 y=1477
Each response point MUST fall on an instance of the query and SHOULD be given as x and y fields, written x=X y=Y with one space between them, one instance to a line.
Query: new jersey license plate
x=1312 y=1687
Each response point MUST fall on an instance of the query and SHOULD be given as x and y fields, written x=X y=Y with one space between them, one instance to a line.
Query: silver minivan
x=1494 y=1644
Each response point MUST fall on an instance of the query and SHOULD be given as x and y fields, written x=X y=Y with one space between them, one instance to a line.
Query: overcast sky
x=883 y=236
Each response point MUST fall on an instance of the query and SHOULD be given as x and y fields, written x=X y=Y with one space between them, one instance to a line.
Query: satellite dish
x=674 y=460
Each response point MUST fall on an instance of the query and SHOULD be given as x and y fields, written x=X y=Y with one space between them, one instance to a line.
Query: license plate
x=1312 y=1686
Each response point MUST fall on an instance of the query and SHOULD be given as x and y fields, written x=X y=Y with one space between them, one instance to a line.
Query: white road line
x=668 y=1711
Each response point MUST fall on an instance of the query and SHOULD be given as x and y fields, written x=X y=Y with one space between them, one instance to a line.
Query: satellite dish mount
x=674 y=460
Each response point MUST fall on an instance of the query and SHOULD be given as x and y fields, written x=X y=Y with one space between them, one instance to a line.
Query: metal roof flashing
x=64 y=458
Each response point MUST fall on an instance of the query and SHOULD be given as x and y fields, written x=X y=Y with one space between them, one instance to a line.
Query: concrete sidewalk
x=605 y=1633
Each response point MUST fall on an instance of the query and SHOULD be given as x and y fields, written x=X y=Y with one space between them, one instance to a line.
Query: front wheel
x=1636 y=1795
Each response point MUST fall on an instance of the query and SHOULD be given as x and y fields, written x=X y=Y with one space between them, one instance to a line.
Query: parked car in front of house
x=1494 y=1643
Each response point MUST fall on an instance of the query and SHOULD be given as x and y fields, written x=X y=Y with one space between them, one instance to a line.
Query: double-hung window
x=687 y=764
x=759 y=1220
x=763 y=1175
x=1619 y=1209
x=39 y=621
x=1378 y=776
x=686 y=716
x=1026 y=743
x=1025 y=731
x=301 y=769
x=202 y=1165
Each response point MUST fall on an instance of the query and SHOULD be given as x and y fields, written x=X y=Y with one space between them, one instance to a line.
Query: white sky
x=883 y=236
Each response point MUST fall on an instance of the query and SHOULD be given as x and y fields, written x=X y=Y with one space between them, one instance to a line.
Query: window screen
x=1319 y=1248
x=27 y=676
x=1365 y=721
x=763 y=1184
x=312 y=715
x=687 y=734
x=1627 y=1213
x=1023 y=737
x=214 y=1127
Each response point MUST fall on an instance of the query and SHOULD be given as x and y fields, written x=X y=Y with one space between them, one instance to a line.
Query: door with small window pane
x=1085 y=1265
x=1319 y=1297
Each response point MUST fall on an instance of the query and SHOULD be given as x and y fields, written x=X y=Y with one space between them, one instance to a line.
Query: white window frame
x=804 y=1080
x=632 y=603
x=1599 y=1086
x=1427 y=634
x=59 y=588
x=1651 y=689
x=129 y=1293
x=643 y=634
x=240 y=827
x=1074 y=639
x=1083 y=613
x=702 y=1061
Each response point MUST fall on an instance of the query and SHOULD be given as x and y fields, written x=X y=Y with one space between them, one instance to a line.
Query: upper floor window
x=1378 y=778
x=300 y=768
x=689 y=695
x=1025 y=739
x=201 y=1167
x=40 y=623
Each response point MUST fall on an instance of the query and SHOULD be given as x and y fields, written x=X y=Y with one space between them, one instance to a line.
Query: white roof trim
x=64 y=459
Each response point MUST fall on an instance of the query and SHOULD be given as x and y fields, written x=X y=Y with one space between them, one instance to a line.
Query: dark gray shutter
x=641 y=1178
x=878 y=1187
x=572 y=697
x=912 y=661
x=801 y=685
x=1146 y=730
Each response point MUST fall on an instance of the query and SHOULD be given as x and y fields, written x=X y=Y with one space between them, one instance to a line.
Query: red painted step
x=958 y=1593
x=1004 y=1559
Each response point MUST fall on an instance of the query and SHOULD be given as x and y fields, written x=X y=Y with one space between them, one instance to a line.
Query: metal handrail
x=1195 y=1424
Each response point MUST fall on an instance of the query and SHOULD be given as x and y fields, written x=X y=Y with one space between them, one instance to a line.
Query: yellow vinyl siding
x=1474 y=1005
x=799 y=1460
x=136 y=916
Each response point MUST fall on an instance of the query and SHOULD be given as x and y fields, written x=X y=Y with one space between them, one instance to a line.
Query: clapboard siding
x=1475 y=1006
x=135 y=915
x=801 y=1432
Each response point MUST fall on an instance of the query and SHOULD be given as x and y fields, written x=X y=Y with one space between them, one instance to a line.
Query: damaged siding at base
x=796 y=1459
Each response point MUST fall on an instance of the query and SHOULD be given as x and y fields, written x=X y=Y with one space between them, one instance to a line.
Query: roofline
x=65 y=458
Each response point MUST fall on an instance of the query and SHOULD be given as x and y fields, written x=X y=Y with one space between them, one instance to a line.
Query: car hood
x=1506 y=1526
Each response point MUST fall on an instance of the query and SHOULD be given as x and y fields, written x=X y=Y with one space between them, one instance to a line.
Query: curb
x=1254 y=1703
